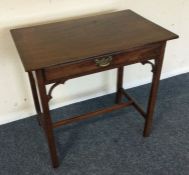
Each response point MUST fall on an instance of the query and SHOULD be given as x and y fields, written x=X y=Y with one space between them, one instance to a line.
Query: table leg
x=120 y=72
x=35 y=96
x=48 y=127
x=153 y=92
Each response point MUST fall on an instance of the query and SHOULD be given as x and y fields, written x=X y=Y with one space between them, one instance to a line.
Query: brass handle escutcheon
x=103 y=62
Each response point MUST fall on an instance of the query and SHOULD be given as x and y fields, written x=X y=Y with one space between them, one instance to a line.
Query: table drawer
x=101 y=63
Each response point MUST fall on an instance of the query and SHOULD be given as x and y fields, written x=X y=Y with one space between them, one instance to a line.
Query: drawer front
x=99 y=64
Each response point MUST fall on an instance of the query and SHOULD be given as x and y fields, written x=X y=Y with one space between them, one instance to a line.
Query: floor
x=108 y=145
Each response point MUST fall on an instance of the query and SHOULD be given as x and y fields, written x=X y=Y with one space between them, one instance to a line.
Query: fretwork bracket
x=49 y=95
x=152 y=65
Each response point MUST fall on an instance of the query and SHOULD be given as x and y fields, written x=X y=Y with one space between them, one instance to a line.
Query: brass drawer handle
x=103 y=62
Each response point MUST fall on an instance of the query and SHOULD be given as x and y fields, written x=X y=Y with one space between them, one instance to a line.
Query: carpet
x=111 y=144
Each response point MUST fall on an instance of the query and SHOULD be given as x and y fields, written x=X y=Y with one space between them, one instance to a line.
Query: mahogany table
x=57 y=52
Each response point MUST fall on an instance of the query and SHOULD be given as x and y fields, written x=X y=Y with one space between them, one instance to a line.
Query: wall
x=15 y=95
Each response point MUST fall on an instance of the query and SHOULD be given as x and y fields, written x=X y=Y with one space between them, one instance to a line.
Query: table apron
x=89 y=66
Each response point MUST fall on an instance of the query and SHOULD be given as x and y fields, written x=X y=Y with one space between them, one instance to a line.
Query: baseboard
x=174 y=73
x=16 y=116
x=26 y=113
x=164 y=75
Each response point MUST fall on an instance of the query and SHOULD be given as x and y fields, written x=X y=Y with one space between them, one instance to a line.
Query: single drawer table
x=56 y=52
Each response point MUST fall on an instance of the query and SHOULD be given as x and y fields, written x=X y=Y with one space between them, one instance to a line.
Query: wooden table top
x=63 y=42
